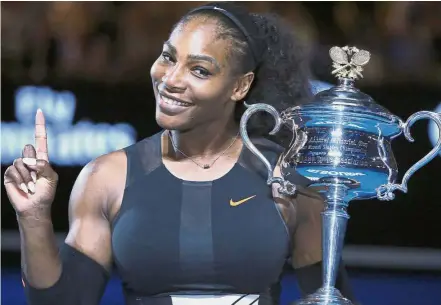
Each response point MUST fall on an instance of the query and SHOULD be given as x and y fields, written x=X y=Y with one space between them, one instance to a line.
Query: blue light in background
x=69 y=144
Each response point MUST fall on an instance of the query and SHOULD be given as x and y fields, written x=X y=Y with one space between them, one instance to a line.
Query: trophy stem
x=334 y=222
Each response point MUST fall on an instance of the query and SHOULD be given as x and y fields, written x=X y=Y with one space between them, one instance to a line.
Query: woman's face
x=193 y=80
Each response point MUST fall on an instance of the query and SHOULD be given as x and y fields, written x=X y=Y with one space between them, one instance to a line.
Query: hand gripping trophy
x=342 y=142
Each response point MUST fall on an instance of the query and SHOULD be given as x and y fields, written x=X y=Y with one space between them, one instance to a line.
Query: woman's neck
x=204 y=141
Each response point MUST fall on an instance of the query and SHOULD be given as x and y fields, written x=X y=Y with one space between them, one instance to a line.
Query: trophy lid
x=345 y=100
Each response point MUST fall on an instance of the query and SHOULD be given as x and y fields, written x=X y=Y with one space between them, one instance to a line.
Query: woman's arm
x=76 y=273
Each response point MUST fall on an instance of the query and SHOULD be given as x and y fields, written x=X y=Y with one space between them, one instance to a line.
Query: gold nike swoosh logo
x=236 y=203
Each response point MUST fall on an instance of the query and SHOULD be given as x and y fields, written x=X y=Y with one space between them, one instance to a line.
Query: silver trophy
x=342 y=142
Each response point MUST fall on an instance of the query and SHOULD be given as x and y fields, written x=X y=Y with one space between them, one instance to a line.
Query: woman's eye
x=166 y=56
x=201 y=72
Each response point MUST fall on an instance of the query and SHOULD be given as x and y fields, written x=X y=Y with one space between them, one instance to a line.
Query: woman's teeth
x=173 y=102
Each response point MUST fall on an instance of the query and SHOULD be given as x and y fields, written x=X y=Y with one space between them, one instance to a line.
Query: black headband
x=246 y=26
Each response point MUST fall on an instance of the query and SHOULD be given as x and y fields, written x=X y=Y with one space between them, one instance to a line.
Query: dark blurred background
x=87 y=65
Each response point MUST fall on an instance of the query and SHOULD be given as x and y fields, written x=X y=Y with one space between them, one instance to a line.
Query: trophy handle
x=385 y=191
x=297 y=143
x=286 y=187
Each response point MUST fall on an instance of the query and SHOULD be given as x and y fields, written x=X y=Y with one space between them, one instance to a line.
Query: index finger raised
x=41 y=136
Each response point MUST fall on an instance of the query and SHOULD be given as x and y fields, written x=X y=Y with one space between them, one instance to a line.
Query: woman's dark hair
x=282 y=71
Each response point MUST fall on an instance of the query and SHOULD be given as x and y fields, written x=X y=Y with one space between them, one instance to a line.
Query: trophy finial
x=345 y=67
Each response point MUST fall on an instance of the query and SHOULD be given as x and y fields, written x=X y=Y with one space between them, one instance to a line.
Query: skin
x=193 y=67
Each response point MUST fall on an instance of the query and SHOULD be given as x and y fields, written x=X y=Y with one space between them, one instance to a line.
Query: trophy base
x=325 y=296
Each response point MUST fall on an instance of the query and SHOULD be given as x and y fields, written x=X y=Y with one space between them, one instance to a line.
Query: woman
x=185 y=215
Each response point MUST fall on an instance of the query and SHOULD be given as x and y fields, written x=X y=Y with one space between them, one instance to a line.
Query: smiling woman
x=185 y=215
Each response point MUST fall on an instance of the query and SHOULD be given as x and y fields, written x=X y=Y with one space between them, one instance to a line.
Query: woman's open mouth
x=169 y=105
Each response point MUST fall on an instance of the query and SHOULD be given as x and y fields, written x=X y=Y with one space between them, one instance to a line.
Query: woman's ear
x=243 y=85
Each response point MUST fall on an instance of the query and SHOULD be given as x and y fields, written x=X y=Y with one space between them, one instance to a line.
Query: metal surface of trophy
x=342 y=142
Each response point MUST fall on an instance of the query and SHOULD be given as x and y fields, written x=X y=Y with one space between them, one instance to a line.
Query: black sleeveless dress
x=225 y=236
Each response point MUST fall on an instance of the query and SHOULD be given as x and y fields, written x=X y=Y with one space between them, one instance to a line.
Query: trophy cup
x=342 y=143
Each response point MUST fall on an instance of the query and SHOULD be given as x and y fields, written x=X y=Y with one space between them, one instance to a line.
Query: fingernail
x=30 y=161
x=24 y=188
x=31 y=187
x=34 y=176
